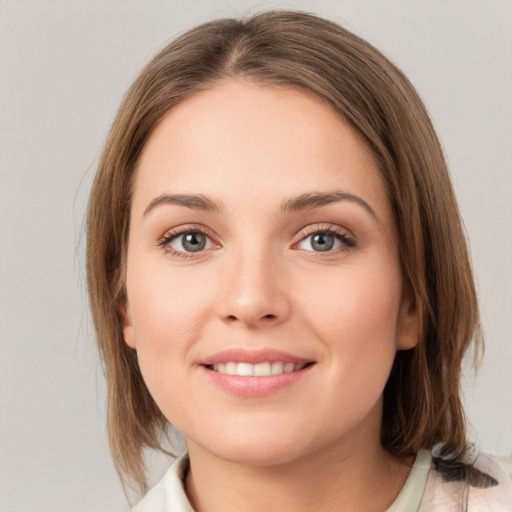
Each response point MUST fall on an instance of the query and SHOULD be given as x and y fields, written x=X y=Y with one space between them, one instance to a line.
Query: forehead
x=241 y=139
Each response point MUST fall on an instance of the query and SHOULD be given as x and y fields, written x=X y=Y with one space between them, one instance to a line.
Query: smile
x=254 y=372
x=257 y=370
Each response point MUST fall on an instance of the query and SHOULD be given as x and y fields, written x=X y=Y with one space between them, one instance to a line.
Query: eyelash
x=173 y=234
x=348 y=241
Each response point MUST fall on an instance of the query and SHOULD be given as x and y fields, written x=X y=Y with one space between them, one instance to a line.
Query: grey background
x=64 y=66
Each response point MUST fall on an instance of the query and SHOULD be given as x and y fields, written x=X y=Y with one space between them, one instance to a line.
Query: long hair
x=422 y=402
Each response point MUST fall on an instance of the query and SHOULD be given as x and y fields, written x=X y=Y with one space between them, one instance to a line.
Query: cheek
x=167 y=320
x=169 y=305
x=350 y=303
x=357 y=321
x=168 y=312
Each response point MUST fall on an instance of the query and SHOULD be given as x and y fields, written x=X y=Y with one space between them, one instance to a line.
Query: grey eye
x=320 y=242
x=190 y=242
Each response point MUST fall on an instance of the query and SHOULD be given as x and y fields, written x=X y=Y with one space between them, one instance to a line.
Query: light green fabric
x=409 y=499
x=425 y=490
x=169 y=495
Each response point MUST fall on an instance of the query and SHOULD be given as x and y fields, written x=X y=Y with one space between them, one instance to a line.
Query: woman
x=276 y=267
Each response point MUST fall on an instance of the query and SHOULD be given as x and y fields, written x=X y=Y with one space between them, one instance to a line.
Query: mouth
x=264 y=369
x=255 y=373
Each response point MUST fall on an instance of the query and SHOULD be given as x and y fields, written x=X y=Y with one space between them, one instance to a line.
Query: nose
x=253 y=292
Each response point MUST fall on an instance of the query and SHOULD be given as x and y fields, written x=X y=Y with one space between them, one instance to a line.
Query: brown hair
x=422 y=404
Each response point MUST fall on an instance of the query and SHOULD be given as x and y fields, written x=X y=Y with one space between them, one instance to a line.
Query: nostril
x=269 y=317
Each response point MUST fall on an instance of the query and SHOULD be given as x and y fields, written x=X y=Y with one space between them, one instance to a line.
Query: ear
x=126 y=320
x=408 y=322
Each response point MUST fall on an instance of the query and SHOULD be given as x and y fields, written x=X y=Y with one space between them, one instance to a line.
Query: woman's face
x=265 y=297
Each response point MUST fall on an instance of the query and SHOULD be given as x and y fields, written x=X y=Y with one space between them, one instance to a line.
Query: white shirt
x=427 y=489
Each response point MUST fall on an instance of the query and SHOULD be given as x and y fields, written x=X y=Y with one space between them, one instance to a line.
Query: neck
x=345 y=477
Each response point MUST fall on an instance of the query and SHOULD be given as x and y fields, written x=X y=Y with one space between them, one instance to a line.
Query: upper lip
x=239 y=355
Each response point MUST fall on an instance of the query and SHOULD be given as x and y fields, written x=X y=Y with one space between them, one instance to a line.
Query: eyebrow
x=307 y=201
x=192 y=201
x=313 y=200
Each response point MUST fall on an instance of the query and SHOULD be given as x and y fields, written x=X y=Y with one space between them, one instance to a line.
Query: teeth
x=230 y=368
x=288 y=367
x=245 y=369
x=277 y=367
x=261 y=369
x=258 y=370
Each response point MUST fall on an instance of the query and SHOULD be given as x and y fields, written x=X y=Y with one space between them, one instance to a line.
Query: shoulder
x=495 y=497
x=168 y=494
x=483 y=485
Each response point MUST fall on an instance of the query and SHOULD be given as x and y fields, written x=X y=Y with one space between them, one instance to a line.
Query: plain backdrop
x=64 y=66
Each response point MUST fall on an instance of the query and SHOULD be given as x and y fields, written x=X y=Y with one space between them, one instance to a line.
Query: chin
x=262 y=454
x=255 y=447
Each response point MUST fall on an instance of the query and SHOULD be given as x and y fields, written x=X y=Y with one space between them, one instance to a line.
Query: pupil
x=322 y=242
x=193 y=242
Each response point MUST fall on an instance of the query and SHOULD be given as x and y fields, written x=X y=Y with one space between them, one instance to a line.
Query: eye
x=324 y=241
x=189 y=242
x=186 y=242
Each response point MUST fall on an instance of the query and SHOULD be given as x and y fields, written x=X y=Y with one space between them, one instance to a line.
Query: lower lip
x=252 y=386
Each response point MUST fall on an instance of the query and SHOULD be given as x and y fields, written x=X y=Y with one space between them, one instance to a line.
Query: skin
x=258 y=284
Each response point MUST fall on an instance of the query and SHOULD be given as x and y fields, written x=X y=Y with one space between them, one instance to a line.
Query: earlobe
x=126 y=320
x=409 y=323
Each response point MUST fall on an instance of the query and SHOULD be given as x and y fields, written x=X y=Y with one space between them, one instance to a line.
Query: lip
x=253 y=386
x=238 y=355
